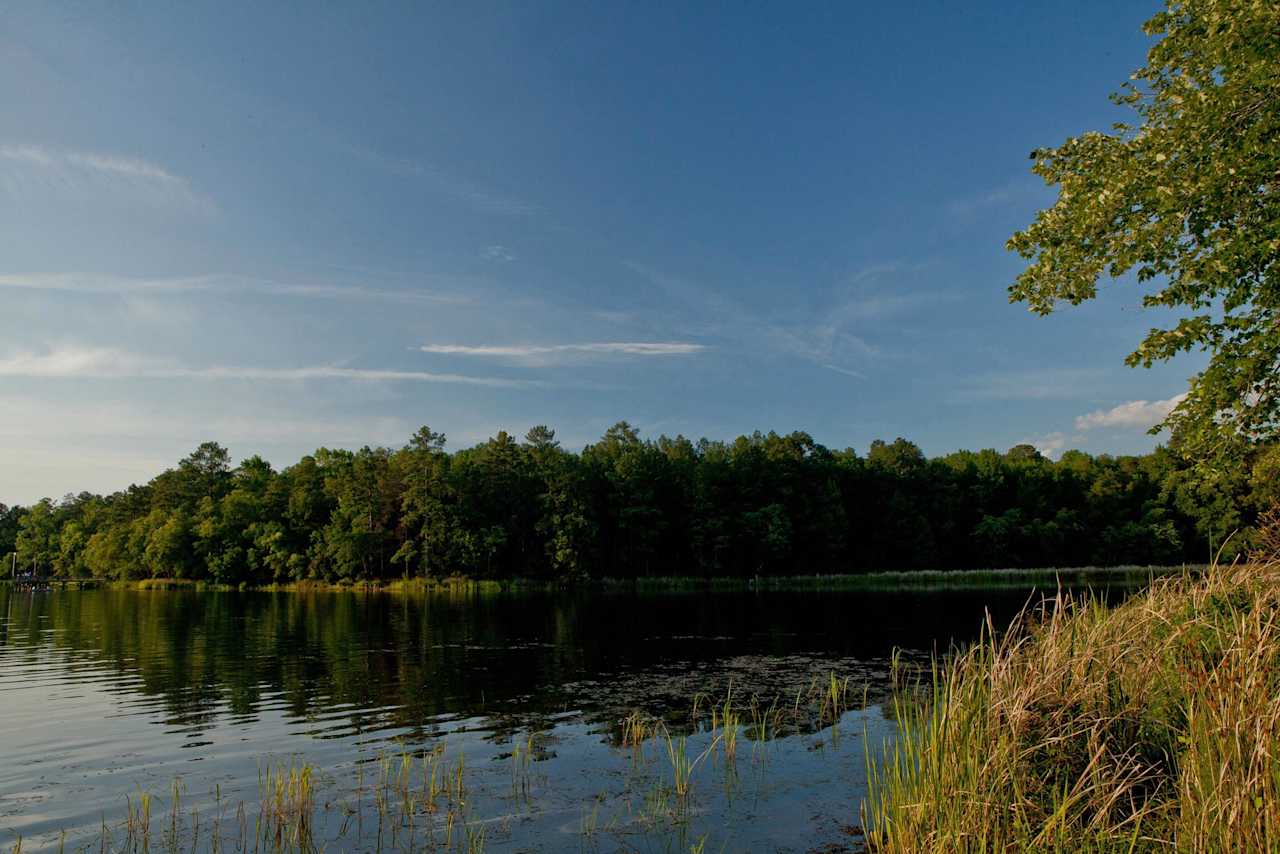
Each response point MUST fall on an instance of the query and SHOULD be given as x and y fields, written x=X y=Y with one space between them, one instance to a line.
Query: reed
x=287 y=804
x=475 y=836
x=730 y=721
x=1152 y=726
x=636 y=729
x=682 y=766
x=138 y=822
x=521 y=757
x=834 y=699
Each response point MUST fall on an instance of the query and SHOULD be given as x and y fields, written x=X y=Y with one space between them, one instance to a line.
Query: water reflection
x=106 y=690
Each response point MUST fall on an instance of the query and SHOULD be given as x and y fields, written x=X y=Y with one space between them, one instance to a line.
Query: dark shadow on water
x=107 y=690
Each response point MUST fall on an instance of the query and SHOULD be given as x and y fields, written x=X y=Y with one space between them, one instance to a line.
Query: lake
x=529 y=704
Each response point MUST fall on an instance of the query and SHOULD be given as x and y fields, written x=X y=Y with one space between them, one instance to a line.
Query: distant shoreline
x=885 y=581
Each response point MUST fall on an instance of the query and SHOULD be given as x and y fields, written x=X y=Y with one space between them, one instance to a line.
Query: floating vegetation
x=424 y=799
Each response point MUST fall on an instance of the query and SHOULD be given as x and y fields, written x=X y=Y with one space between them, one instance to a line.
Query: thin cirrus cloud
x=107 y=363
x=104 y=283
x=480 y=199
x=538 y=354
x=1135 y=414
x=30 y=171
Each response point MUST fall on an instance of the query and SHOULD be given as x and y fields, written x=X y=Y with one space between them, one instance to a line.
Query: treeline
x=762 y=505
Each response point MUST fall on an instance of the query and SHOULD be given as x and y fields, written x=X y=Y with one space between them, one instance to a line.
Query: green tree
x=37 y=540
x=9 y=517
x=1188 y=198
x=427 y=505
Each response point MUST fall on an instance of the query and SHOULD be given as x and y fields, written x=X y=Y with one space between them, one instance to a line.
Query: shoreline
x=885 y=581
x=1147 y=725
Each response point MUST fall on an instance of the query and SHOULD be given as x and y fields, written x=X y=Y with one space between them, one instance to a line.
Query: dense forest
x=762 y=505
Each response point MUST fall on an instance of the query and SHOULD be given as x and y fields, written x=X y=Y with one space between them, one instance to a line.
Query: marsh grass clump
x=636 y=729
x=682 y=765
x=285 y=819
x=1151 y=726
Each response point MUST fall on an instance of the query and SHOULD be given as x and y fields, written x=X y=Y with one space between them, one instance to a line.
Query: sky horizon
x=279 y=230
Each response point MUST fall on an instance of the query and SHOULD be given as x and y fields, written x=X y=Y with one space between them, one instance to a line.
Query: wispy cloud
x=478 y=198
x=1048 y=384
x=821 y=340
x=50 y=445
x=103 y=283
x=107 y=363
x=497 y=253
x=126 y=166
x=848 y=372
x=885 y=269
x=541 y=354
x=834 y=332
x=630 y=348
x=27 y=170
x=1006 y=195
x=57 y=421
x=1135 y=414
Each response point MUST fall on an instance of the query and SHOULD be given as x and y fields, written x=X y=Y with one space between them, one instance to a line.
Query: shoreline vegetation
x=765 y=506
x=1146 y=726
x=884 y=581
x=1149 y=726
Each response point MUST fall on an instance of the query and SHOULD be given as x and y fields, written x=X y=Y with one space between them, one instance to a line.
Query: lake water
x=105 y=694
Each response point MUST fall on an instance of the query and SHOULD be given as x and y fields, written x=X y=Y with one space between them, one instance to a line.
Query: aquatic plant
x=682 y=766
x=1150 y=726
x=138 y=821
x=287 y=803
x=521 y=756
x=834 y=699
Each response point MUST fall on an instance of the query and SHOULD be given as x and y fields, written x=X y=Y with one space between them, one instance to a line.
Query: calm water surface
x=106 y=693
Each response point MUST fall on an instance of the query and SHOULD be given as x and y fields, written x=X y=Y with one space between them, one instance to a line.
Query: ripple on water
x=106 y=693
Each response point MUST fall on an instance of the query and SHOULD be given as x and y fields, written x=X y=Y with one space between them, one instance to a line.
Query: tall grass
x=1151 y=726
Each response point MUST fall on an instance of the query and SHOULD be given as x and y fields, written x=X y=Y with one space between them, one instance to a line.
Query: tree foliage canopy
x=1187 y=197
x=628 y=507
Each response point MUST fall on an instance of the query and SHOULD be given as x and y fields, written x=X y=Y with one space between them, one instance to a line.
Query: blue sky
x=283 y=228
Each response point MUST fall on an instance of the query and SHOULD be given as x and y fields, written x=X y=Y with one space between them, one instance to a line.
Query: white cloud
x=631 y=348
x=497 y=253
x=105 y=283
x=107 y=363
x=541 y=354
x=26 y=154
x=126 y=166
x=33 y=170
x=1138 y=414
x=1053 y=444
x=846 y=371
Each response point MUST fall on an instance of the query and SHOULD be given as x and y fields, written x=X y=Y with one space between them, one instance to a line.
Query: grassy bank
x=924 y=579
x=879 y=581
x=1151 y=726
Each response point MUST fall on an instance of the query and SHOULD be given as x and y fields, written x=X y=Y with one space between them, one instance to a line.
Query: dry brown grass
x=1154 y=725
